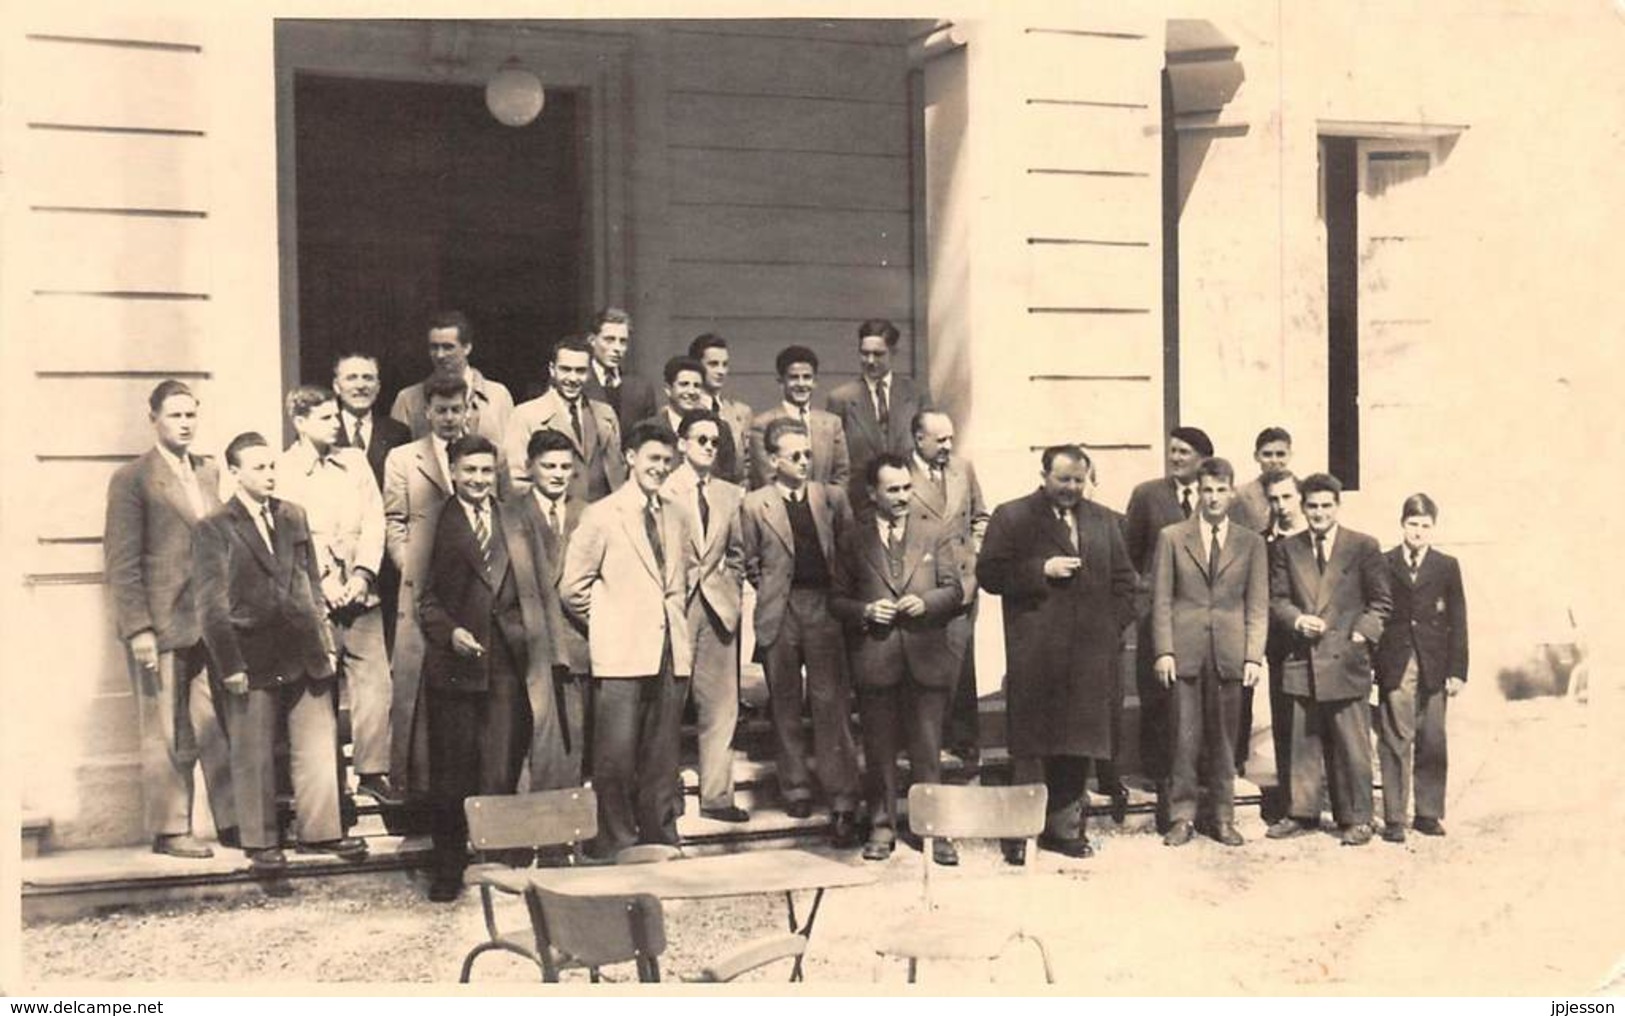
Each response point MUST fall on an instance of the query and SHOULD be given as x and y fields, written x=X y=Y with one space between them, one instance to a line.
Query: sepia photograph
x=1107 y=499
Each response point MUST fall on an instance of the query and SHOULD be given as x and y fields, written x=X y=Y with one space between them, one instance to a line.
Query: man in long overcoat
x=1061 y=568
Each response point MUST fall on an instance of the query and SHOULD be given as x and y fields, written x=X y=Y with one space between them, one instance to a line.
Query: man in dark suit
x=1153 y=505
x=1286 y=520
x=487 y=658
x=1059 y=565
x=1329 y=589
x=627 y=577
x=1421 y=665
x=631 y=397
x=266 y=628
x=1210 y=602
x=451 y=342
x=946 y=493
x=896 y=587
x=711 y=350
x=153 y=506
x=549 y=515
x=355 y=380
x=792 y=527
x=876 y=410
x=589 y=423
x=798 y=378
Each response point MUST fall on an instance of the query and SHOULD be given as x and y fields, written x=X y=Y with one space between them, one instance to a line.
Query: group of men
x=527 y=596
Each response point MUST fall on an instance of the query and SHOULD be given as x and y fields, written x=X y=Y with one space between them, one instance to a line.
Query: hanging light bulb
x=514 y=95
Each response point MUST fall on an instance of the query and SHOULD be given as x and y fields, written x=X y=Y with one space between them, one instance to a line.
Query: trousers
x=180 y=726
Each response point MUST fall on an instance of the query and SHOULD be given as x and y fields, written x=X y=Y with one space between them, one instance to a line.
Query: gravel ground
x=1524 y=896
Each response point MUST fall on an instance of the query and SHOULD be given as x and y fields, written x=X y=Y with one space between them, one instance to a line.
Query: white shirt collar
x=885 y=380
x=1421 y=554
x=180 y=464
x=788 y=494
x=468 y=509
x=1331 y=537
x=794 y=411
x=884 y=525
x=254 y=507
x=601 y=372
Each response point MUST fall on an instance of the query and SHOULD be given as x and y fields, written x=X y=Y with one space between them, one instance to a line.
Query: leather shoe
x=266 y=858
x=880 y=846
x=1015 y=851
x=1428 y=826
x=801 y=808
x=1393 y=832
x=944 y=852
x=377 y=787
x=1071 y=846
x=1357 y=835
x=1119 y=796
x=348 y=848
x=1179 y=834
x=230 y=838
x=1288 y=827
x=1229 y=835
x=732 y=813
x=843 y=829
x=181 y=845
x=445 y=890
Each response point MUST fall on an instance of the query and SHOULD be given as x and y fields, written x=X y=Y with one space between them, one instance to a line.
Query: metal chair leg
x=1043 y=954
x=913 y=969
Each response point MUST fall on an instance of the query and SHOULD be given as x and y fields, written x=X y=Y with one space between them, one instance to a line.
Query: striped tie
x=482 y=534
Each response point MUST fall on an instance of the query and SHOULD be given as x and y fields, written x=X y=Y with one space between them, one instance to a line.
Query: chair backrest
x=598 y=930
x=974 y=812
x=545 y=818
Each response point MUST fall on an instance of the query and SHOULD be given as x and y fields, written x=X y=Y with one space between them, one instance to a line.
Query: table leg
x=804 y=930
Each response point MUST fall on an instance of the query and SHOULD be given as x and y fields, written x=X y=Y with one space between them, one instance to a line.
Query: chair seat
x=498 y=876
x=948 y=936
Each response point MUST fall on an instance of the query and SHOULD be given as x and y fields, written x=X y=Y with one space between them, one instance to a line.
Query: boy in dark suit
x=1421 y=664
x=266 y=630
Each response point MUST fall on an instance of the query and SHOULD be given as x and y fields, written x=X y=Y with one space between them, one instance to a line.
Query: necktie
x=705 y=509
x=360 y=441
x=894 y=549
x=575 y=419
x=270 y=526
x=940 y=482
x=1416 y=563
x=651 y=524
x=882 y=406
x=482 y=534
x=1213 y=556
x=1185 y=501
x=1320 y=552
x=613 y=378
x=1071 y=528
x=553 y=521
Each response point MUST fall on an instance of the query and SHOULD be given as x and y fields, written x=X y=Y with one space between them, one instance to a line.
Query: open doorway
x=409 y=197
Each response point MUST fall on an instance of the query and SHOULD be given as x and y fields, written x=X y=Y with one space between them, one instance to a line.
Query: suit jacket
x=830 y=461
x=1351 y=597
x=958 y=509
x=1204 y=616
x=865 y=437
x=387 y=435
x=1429 y=621
x=1061 y=637
x=770 y=546
x=613 y=584
x=738 y=416
x=147 y=545
x=635 y=399
x=1153 y=505
x=600 y=466
x=262 y=612
x=490 y=404
x=569 y=636
x=920 y=647
x=720 y=550
x=1251 y=508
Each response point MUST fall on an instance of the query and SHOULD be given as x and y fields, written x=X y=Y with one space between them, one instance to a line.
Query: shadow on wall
x=1552 y=668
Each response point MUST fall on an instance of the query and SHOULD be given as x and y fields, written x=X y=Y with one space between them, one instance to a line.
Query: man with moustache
x=627 y=578
x=417 y=484
x=590 y=425
x=487 y=663
x=947 y=494
x=451 y=341
x=264 y=623
x=896 y=588
x=711 y=350
x=712 y=505
x=1272 y=450
x=361 y=426
x=342 y=504
x=876 y=410
x=153 y=506
x=631 y=397
x=1209 y=616
x=797 y=367
x=1329 y=589
x=1059 y=565
x=792 y=528
x=1153 y=505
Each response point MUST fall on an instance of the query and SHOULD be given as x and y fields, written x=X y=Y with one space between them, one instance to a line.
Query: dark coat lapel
x=874 y=552
x=935 y=501
x=249 y=534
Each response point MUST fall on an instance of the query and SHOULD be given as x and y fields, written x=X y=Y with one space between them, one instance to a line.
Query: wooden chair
x=967 y=812
x=499 y=822
x=592 y=932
